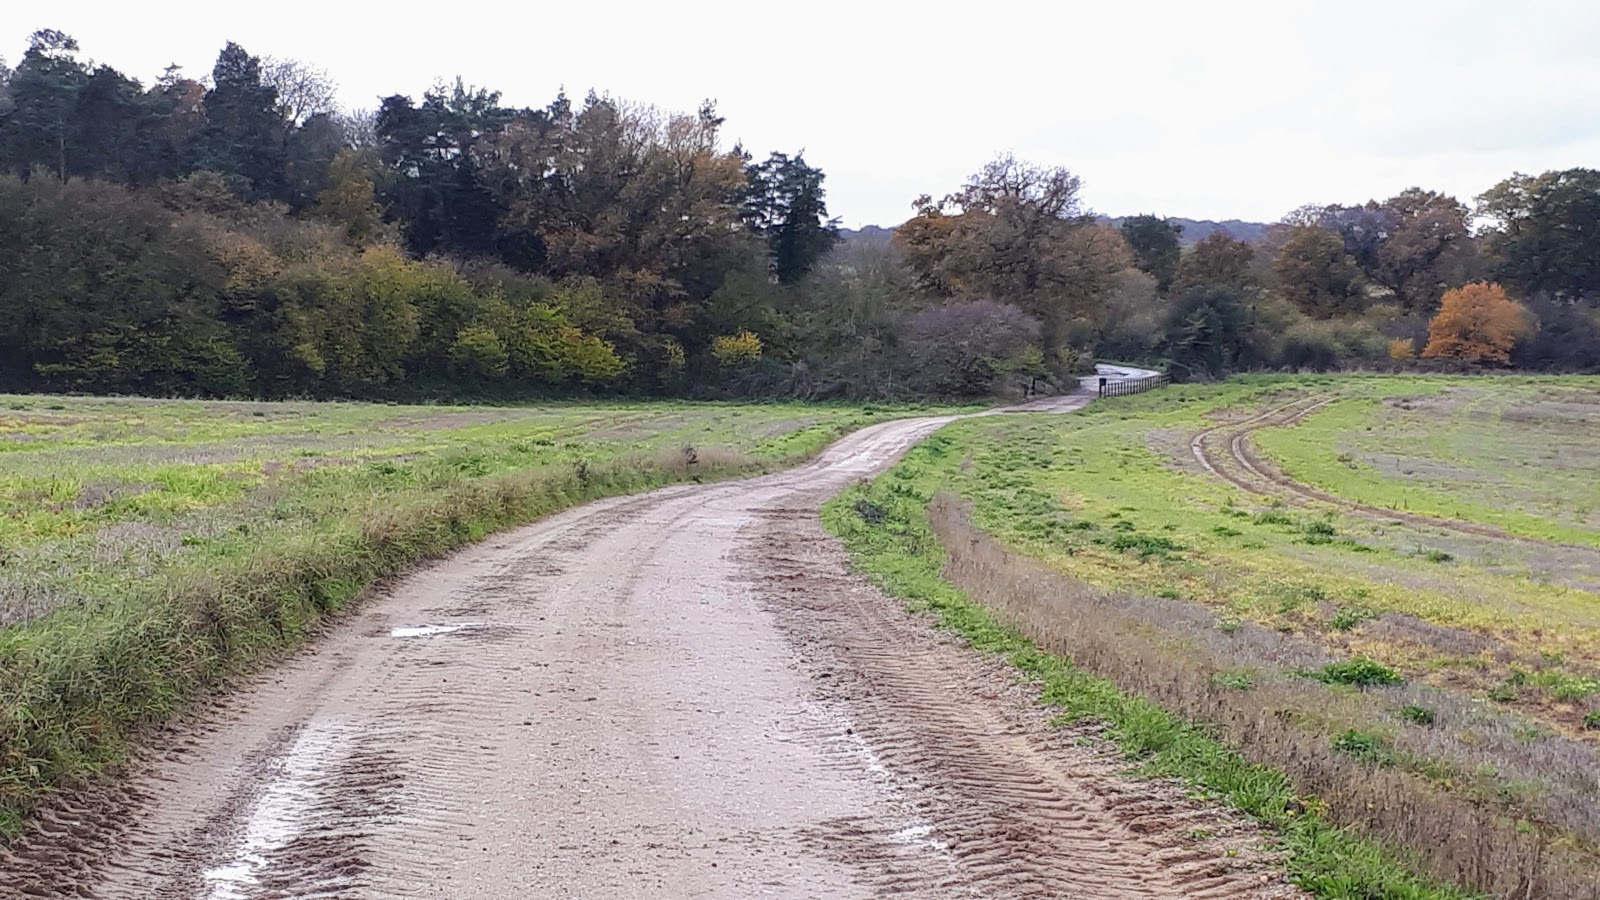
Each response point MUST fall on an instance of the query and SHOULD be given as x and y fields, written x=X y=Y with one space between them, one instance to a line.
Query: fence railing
x=1117 y=387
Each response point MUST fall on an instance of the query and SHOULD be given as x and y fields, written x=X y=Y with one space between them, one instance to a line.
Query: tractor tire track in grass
x=1246 y=468
x=673 y=694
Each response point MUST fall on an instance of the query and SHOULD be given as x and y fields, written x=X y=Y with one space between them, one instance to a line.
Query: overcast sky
x=1207 y=110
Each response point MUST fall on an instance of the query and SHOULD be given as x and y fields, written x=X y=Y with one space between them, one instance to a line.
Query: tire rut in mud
x=1010 y=806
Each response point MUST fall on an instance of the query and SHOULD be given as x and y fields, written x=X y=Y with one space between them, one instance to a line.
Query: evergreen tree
x=1154 y=242
x=784 y=205
x=242 y=138
x=44 y=94
x=437 y=190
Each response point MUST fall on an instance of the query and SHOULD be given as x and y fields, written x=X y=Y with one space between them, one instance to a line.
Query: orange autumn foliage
x=1476 y=323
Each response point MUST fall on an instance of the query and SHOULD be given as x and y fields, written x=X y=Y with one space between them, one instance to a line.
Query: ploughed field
x=149 y=548
x=1386 y=587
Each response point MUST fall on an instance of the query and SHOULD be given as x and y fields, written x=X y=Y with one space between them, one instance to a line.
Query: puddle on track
x=280 y=814
x=410 y=631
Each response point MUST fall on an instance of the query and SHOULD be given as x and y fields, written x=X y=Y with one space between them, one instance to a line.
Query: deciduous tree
x=1476 y=323
x=1218 y=260
x=1545 y=233
x=303 y=90
x=1428 y=249
x=1314 y=272
x=1017 y=232
x=1417 y=243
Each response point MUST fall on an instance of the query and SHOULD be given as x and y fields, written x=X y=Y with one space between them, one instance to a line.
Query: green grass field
x=1519 y=453
x=1407 y=568
x=1116 y=498
x=149 y=549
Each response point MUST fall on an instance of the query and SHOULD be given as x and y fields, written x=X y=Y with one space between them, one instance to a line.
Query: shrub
x=734 y=350
x=961 y=348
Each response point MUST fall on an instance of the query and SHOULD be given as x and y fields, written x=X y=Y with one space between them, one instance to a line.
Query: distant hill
x=1196 y=230
x=866 y=234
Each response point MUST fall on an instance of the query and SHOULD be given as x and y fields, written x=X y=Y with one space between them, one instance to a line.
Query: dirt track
x=679 y=694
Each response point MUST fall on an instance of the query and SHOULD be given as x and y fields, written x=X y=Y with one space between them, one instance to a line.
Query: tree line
x=241 y=236
x=1420 y=278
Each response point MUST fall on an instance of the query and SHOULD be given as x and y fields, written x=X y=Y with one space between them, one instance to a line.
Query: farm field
x=1386 y=587
x=149 y=548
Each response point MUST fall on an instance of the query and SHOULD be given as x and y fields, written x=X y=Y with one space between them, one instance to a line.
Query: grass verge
x=78 y=685
x=886 y=527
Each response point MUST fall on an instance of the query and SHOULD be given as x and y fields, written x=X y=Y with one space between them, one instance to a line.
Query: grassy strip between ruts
x=900 y=552
x=76 y=686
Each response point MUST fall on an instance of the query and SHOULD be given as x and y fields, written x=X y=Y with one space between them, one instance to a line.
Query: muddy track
x=675 y=694
x=1260 y=476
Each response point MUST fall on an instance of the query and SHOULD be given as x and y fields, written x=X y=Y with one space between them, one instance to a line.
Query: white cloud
x=1221 y=110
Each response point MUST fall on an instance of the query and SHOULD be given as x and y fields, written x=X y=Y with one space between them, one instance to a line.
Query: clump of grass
x=1148 y=546
x=870 y=512
x=1273 y=517
x=1566 y=687
x=1358 y=671
x=1239 y=681
x=1436 y=556
x=1348 y=617
x=1417 y=715
x=1591 y=720
x=1364 y=746
x=1226 y=532
x=1504 y=692
x=1319 y=531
